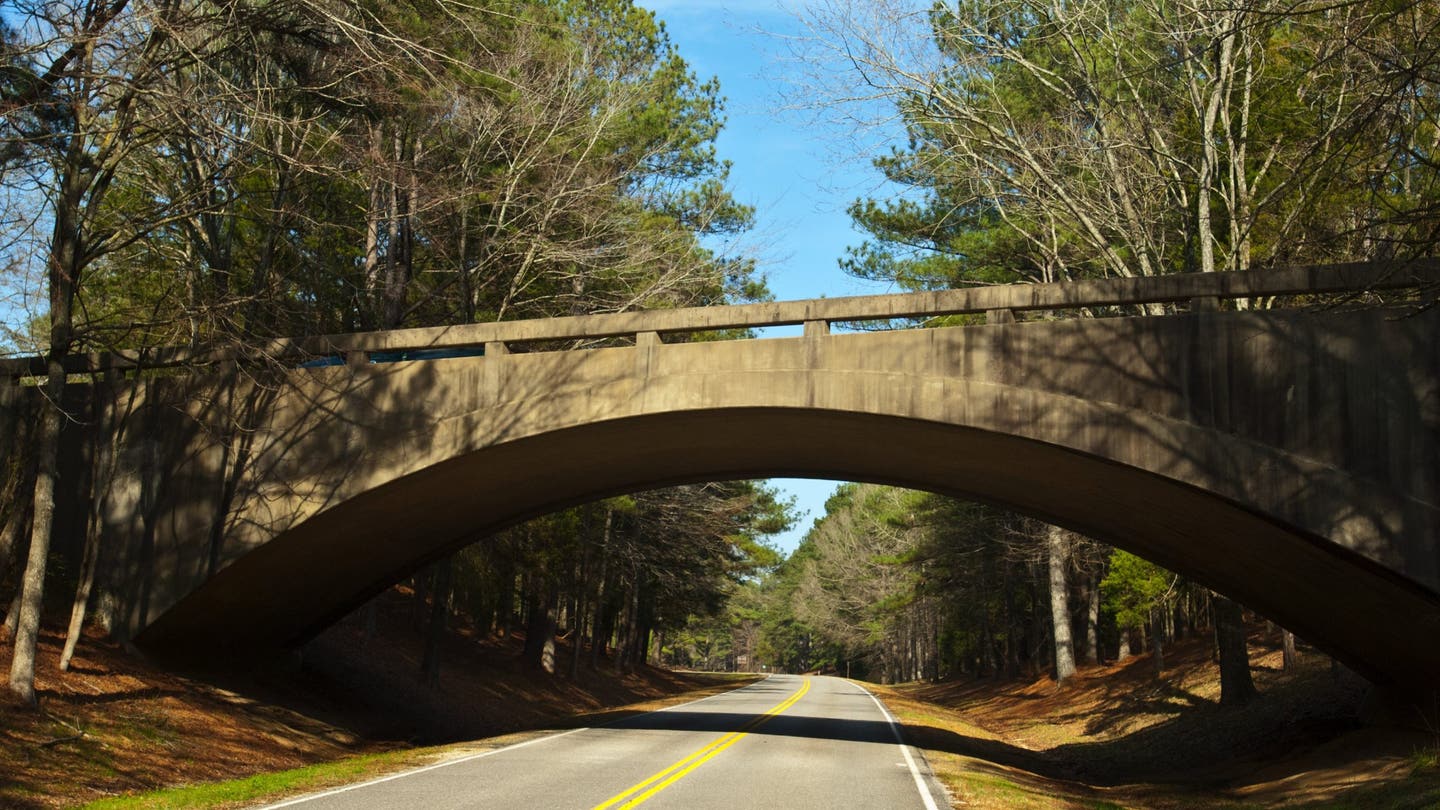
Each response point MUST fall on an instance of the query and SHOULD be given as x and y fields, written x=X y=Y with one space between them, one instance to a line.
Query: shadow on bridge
x=1288 y=459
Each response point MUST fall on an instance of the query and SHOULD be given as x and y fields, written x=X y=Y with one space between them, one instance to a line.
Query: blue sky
x=790 y=168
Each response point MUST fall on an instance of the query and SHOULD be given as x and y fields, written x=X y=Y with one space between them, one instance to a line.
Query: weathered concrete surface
x=1285 y=458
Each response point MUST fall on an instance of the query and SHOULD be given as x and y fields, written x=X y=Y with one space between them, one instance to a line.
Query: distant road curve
x=788 y=741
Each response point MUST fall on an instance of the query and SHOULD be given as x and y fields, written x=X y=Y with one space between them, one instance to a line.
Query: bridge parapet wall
x=1366 y=283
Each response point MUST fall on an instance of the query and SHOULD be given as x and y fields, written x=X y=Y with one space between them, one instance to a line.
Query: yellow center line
x=676 y=772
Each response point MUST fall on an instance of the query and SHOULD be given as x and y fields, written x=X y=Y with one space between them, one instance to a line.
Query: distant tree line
x=897 y=585
x=617 y=577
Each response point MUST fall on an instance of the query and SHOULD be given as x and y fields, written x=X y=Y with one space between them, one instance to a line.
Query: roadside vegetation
x=118 y=730
x=896 y=585
x=1113 y=737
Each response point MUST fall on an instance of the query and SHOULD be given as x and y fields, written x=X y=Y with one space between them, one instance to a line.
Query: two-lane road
x=788 y=741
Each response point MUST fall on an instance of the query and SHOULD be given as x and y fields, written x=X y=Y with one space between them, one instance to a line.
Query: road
x=788 y=741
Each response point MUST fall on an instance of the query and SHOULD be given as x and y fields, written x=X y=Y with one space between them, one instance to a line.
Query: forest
x=199 y=173
x=897 y=585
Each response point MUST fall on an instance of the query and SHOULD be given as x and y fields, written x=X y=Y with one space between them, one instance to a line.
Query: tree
x=1236 y=686
x=915 y=585
x=98 y=97
x=219 y=174
x=1139 y=592
x=1058 y=558
x=79 y=100
x=631 y=573
x=1047 y=141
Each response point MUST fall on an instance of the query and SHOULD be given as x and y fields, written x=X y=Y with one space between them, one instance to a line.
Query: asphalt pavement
x=788 y=741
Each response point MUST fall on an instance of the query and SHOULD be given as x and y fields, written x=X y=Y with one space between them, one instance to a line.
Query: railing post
x=495 y=348
x=999 y=316
x=817 y=328
x=357 y=359
x=1205 y=303
x=643 y=339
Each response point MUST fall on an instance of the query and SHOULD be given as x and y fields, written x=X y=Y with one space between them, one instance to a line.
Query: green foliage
x=1051 y=141
x=901 y=585
x=267 y=786
x=1135 y=588
x=674 y=564
x=383 y=164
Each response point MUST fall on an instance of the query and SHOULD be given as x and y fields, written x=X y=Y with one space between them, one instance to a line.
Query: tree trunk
x=435 y=633
x=65 y=263
x=1059 y=548
x=1123 y=653
x=32 y=591
x=1236 y=686
x=1012 y=630
x=467 y=294
x=624 y=660
x=1092 y=621
x=540 y=632
x=600 y=621
x=580 y=602
x=10 y=533
x=82 y=591
x=579 y=638
x=1157 y=641
x=17 y=527
x=104 y=473
x=505 y=601
x=605 y=615
x=1287 y=646
x=642 y=646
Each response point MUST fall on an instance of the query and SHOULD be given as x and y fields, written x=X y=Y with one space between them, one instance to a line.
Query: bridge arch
x=1230 y=447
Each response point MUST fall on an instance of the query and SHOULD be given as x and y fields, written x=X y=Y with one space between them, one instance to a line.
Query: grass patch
x=270 y=785
x=1424 y=759
x=114 y=728
x=314 y=778
x=991 y=787
x=1418 y=792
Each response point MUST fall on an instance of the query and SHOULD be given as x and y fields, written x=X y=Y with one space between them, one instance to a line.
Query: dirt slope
x=1116 y=736
x=115 y=725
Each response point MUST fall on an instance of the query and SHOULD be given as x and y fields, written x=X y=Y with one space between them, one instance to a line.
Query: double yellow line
x=676 y=772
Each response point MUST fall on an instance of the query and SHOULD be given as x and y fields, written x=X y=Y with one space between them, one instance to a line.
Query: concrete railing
x=1200 y=291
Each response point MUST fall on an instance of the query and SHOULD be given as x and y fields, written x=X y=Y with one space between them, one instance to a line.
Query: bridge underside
x=1286 y=459
x=1286 y=575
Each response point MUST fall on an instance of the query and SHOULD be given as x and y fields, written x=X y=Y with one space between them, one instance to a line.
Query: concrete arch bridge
x=1287 y=457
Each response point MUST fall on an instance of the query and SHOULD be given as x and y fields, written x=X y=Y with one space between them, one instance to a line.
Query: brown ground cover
x=1115 y=736
x=115 y=725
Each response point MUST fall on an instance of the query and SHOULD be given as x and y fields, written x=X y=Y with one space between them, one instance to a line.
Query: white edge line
x=444 y=764
x=904 y=749
x=493 y=751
